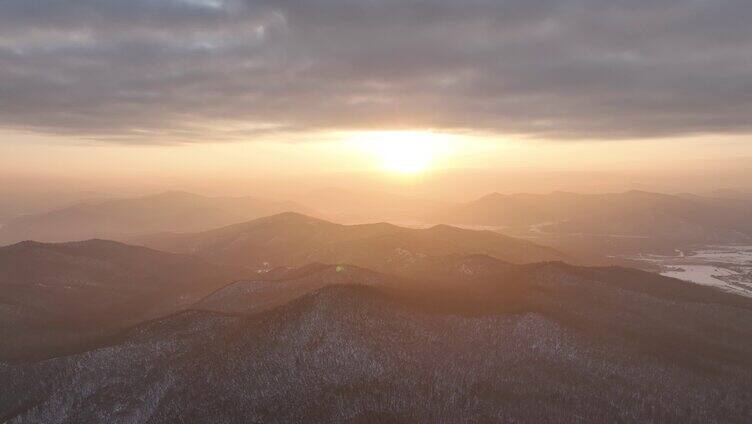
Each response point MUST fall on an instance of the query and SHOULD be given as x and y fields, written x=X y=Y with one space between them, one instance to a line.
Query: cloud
x=146 y=71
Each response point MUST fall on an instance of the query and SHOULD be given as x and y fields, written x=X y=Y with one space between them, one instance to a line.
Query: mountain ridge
x=346 y=353
x=119 y=218
x=292 y=239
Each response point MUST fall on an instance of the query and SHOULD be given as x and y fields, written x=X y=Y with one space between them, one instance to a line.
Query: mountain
x=611 y=223
x=567 y=344
x=633 y=213
x=18 y=199
x=58 y=297
x=121 y=218
x=291 y=239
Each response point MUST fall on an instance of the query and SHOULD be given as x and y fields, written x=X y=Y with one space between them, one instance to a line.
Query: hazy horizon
x=481 y=165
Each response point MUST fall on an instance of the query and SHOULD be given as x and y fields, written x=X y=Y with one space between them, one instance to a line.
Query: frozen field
x=728 y=267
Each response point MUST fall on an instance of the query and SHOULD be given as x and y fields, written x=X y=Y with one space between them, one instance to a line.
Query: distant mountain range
x=617 y=223
x=292 y=239
x=120 y=218
x=632 y=213
x=587 y=225
x=487 y=342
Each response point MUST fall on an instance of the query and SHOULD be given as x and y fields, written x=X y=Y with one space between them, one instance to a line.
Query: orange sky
x=398 y=160
x=237 y=96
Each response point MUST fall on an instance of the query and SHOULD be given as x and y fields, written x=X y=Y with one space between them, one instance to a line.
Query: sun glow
x=404 y=152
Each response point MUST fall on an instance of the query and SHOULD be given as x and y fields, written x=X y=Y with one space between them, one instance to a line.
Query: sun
x=404 y=155
x=403 y=152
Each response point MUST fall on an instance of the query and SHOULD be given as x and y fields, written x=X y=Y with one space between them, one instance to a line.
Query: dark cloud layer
x=192 y=70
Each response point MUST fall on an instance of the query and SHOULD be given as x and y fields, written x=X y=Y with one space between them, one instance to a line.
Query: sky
x=211 y=94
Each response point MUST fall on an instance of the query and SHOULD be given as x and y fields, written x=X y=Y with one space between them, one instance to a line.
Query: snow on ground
x=741 y=255
x=728 y=267
x=709 y=275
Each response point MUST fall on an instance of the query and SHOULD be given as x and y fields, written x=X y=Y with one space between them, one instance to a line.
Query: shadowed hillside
x=283 y=286
x=55 y=297
x=574 y=349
